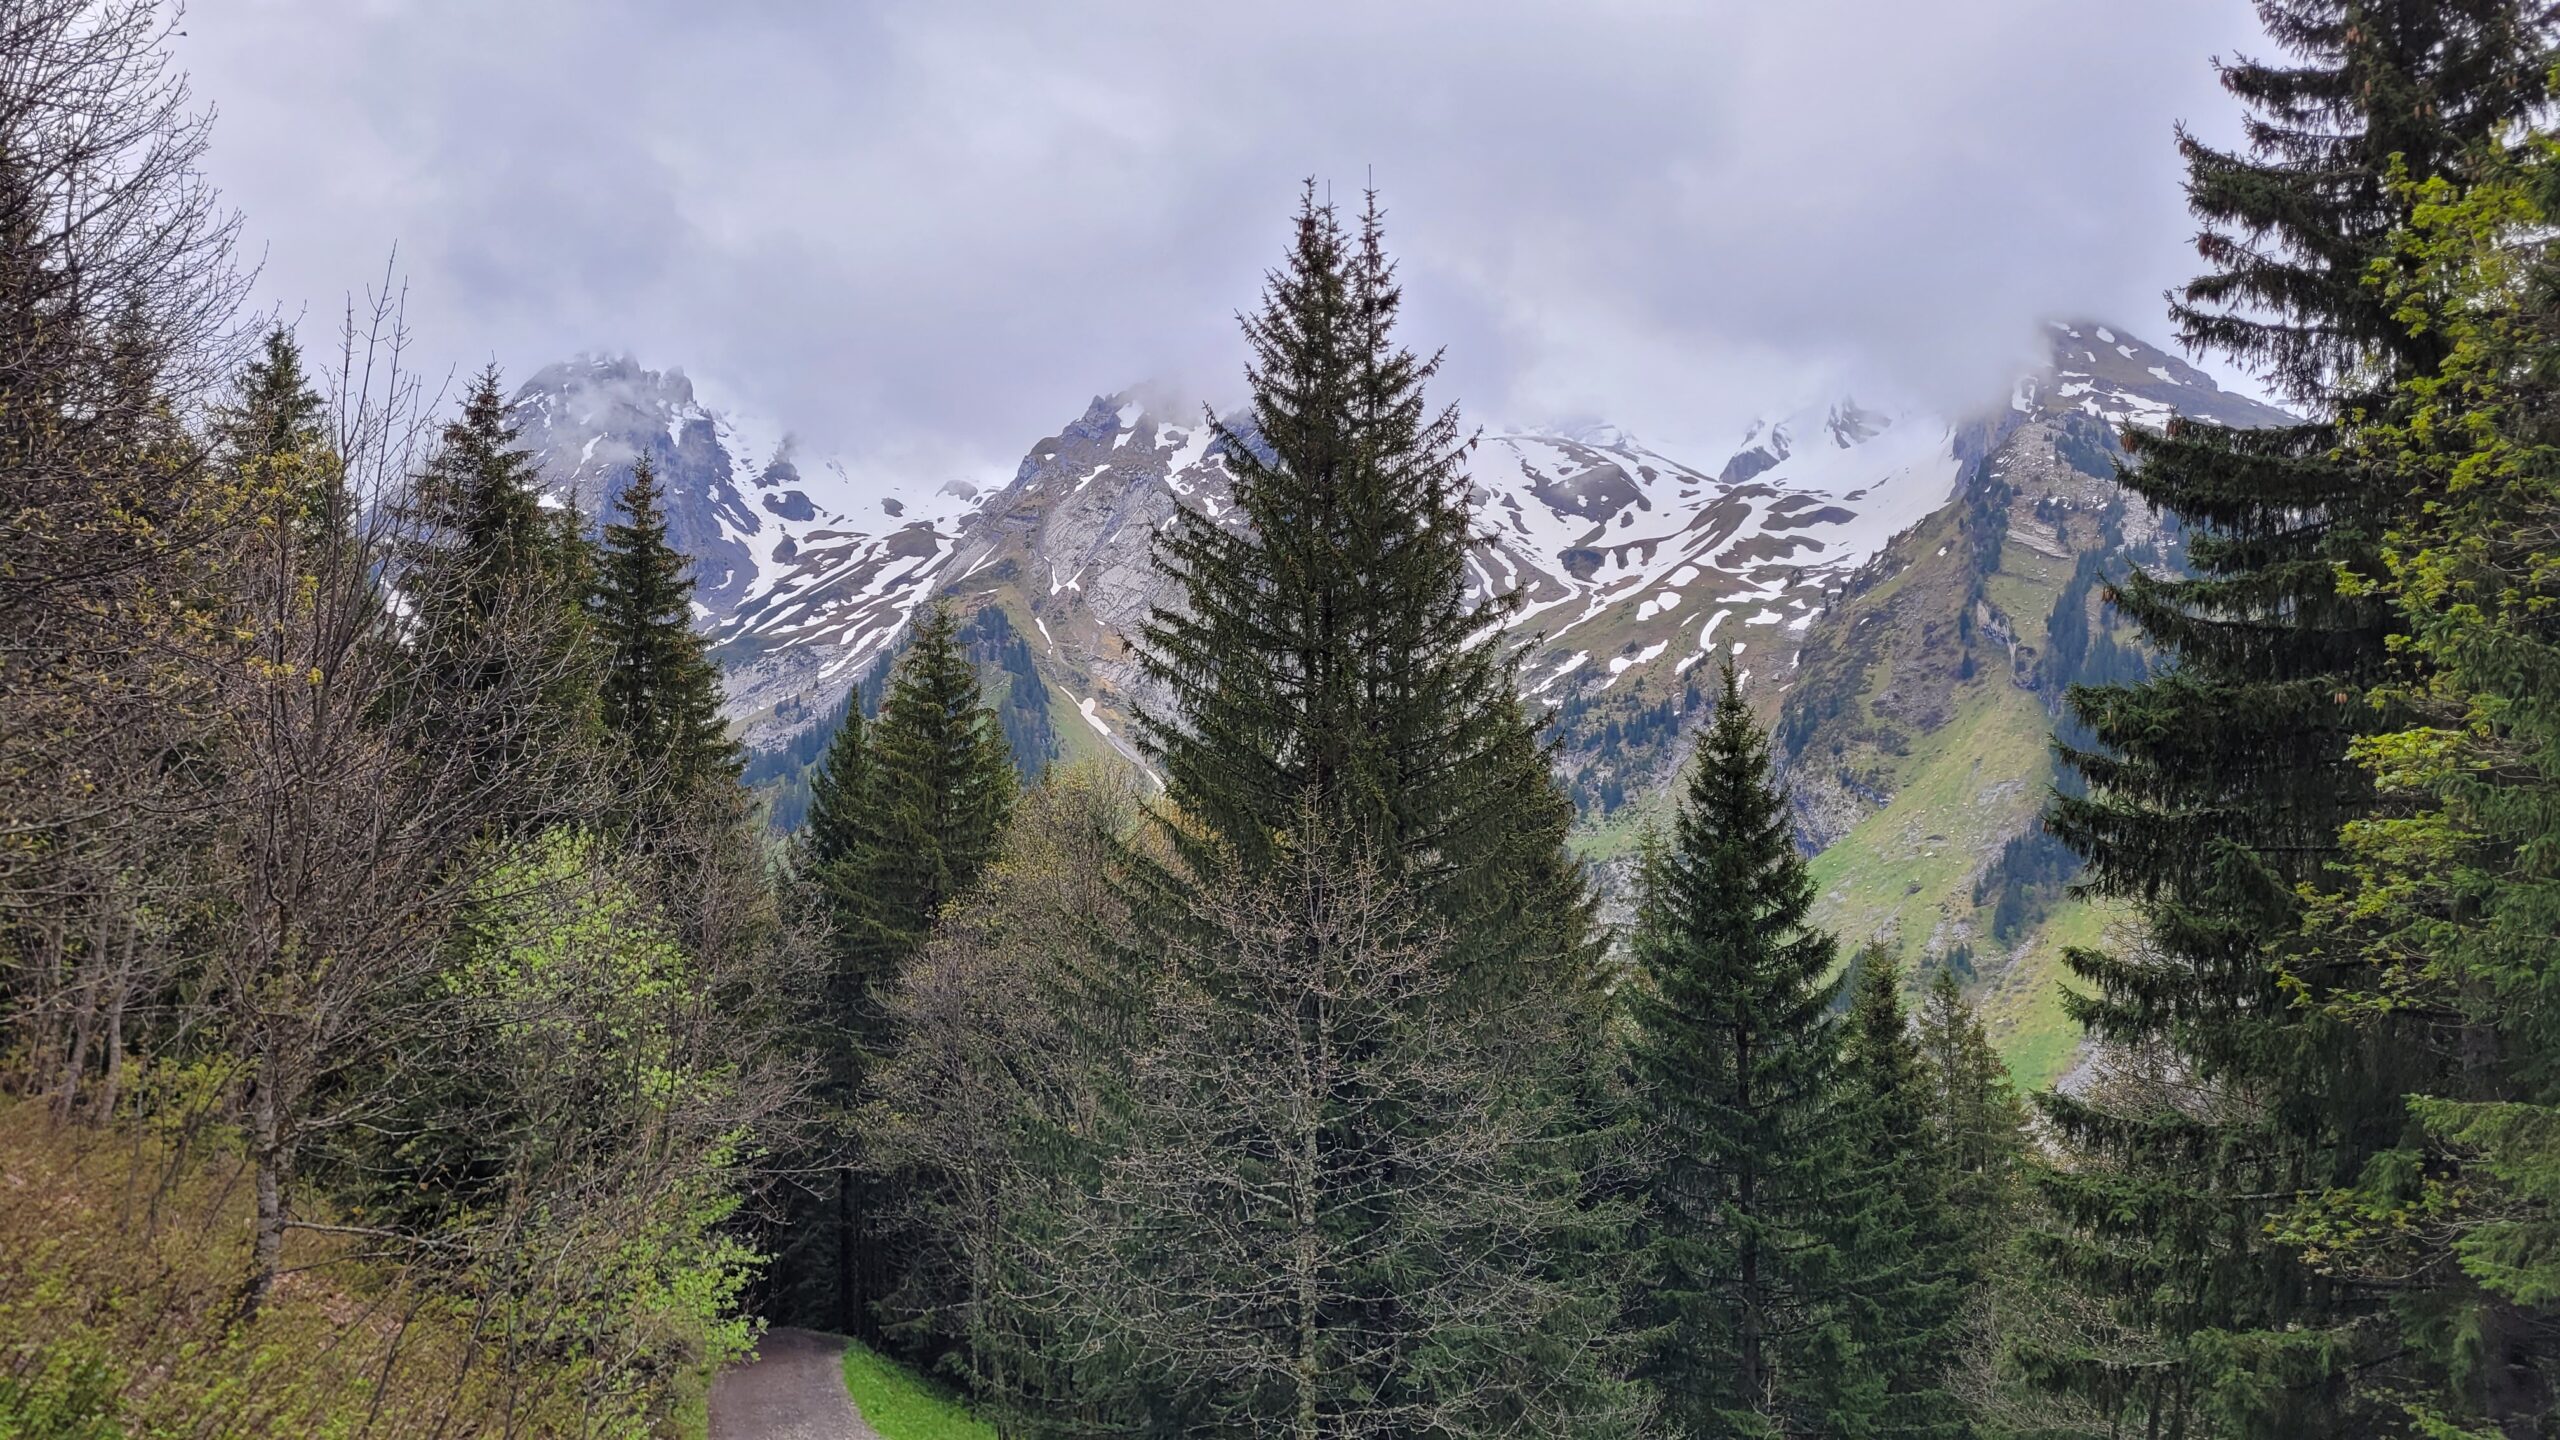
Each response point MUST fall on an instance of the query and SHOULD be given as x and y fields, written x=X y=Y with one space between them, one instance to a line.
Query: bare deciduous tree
x=1326 y=1209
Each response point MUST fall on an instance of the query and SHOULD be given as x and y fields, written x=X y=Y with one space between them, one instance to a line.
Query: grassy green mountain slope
x=1918 y=728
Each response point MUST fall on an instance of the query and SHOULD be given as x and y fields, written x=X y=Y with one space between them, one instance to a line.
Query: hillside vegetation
x=120 y=1313
x=2077 y=957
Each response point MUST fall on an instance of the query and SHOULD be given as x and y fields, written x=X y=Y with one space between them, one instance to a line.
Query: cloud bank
x=922 y=234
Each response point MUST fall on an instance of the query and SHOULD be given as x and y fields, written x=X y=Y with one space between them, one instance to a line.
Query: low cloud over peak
x=921 y=233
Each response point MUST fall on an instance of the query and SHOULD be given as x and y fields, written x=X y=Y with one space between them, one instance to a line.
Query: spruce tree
x=660 y=693
x=813 y=1276
x=839 y=789
x=1898 y=1273
x=477 y=536
x=273 y=409
x=1329 y=678
x=504 y=665
x=2217 y=788
x=2454 y=894
x=1324 y=650
x=941 y=782
x=269 y=432
x=906 y=814
x=1734 y=1060
x=1975 y=1112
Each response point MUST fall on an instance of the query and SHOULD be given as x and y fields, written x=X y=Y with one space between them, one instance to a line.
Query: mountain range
x=1908 y=593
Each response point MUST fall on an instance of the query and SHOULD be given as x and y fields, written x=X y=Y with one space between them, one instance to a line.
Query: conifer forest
x=480 y=956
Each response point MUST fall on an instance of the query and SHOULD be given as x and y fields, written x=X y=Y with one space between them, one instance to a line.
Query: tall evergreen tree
x=477 y=534
x=273 y=409
x=839 y=789
x=813 y=1271
x=660 y=693
x=273 y=420
x=1330 y=680
x=1324 y=650
x=1976 y=1114
x=1734 y=1055
x=941 y=782
x=1898 y=1276
x=906 y=813
x=499 y=634
x=2218 y=786
x=2454 y=893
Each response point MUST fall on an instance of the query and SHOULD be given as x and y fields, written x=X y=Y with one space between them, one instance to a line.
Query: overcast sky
x=922 y=235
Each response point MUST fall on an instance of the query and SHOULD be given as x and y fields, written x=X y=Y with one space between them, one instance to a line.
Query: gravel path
x=792 y=1390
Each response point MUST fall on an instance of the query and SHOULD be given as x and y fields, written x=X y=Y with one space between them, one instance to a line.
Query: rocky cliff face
x=801 y=576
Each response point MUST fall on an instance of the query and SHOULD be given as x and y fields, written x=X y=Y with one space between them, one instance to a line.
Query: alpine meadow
x=2018 y=901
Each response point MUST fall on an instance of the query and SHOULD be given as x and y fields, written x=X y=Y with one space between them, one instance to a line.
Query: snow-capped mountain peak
x=1624 y=560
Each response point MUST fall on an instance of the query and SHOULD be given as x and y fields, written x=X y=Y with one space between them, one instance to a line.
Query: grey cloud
x=923 y=233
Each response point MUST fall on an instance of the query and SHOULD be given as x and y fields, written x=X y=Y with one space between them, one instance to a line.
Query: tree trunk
x=267 y=1147
x=844 y=1250
x=113 y=1078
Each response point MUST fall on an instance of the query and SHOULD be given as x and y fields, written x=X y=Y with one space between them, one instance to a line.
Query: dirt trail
x=793 y=1390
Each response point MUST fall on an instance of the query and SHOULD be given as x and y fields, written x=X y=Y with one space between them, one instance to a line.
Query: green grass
x=902 y=1405
x=1907 y=870
x=2024 y=1011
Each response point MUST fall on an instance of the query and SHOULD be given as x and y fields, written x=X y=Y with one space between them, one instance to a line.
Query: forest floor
x=793 y=1390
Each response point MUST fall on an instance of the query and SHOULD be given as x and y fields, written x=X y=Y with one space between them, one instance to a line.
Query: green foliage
x=939 y=783
x=354 y=1088
x=1900 y=1235
x=2448 y=893
x=71 y=1395
x=1019 y=697
x=1733 y=1057
x=2218 y=786
x=2024 y=881
x=1325 y=649
x=907 y=812
x=659 y=691
x=1328 y=1202
x=112 y=1330
x=1979 y=1120
x=839 y=789
x=505 y=664
x=273 y=412
x=569 y=1058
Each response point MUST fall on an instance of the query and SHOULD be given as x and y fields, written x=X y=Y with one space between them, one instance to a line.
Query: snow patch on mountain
x=1613 y=550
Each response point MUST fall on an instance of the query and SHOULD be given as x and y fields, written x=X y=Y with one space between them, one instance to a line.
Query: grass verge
x=902 y=1405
